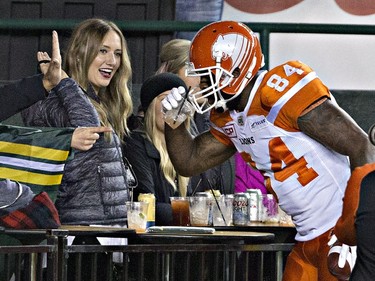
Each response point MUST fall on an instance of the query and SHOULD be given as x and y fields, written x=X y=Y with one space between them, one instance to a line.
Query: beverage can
x=255 y=204
x=241 y=208
x=150 y=198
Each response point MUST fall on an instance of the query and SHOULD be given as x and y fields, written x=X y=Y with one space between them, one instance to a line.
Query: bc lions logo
x=232 y=46
x=230 y=131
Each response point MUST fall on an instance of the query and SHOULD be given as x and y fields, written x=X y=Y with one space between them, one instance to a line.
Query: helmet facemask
x=211 y=97
x=208 y=98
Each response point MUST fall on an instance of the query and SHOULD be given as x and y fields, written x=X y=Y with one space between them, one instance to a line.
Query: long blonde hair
x=173 y=55
x=157 y=138
x=115 y=102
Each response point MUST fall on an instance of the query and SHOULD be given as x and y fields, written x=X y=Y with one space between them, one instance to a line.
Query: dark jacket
x=17 y=96
x=145 y=160
x=93 y=188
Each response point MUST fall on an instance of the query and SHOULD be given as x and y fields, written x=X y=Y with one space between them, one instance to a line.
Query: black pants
x=364 y=269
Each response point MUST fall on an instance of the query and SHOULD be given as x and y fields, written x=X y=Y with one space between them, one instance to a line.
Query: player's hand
x=51 y=67
x=173 y=99
x=176 y=108
x=85 y=137
x=341 y=258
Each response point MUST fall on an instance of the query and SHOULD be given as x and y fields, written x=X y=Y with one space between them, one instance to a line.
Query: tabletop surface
x=102 y=231
x=247 y=237
x=255 y=232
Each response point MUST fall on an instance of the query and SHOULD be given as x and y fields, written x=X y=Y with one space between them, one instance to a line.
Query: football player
x=285 y=123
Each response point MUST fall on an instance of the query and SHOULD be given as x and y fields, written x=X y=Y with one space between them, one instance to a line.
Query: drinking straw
x=217 y=203
x=195 y=189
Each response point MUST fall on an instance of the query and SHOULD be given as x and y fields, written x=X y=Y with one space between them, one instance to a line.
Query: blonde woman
x=94 y=186
x=174 y=56
x=146 y=150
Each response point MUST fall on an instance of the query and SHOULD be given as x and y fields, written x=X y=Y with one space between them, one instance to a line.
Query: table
x=219 y=236
x=224 y=246
x=284 y=233
x=98 y=231
x=229 y=241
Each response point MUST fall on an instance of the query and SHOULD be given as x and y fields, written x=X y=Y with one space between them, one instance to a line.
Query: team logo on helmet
x=231 y=46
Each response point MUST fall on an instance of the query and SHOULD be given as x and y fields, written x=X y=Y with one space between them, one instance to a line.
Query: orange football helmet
x=227 y=52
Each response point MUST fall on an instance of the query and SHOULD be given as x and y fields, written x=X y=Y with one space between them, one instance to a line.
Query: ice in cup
x=180 y=211
x=199 y=210
x=224 y=215
x=270 y=208
x=137 y=215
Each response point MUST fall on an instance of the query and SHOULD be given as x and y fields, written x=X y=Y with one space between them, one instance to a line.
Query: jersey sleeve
x=218 y=122
x=289 y=89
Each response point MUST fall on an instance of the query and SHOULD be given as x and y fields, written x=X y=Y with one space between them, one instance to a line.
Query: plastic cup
x=225 y=212
x=270 y=208
x=180 y=211
x=137 y=215
x=199 y=210
x=178 y=115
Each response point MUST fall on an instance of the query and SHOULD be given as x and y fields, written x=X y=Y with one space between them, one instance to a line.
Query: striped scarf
x=34 y=156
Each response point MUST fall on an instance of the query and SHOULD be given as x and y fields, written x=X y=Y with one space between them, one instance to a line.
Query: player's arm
x=192 y=156
x=327 y=123
x=330 y=125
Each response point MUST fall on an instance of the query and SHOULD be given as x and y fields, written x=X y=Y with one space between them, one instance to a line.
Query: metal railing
x=36 y=258
x=161 y=262
x=55 y=260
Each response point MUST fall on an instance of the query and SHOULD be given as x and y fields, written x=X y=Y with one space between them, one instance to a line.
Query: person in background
x=356 y=224
x=285 y=123
x=247 y=177
x=173 y=57
x=94 y=186
x=147 y=153
x=135 y=121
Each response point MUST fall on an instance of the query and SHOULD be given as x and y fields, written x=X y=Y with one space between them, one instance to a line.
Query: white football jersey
x=308 y=179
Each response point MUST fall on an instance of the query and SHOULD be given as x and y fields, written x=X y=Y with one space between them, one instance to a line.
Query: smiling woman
x=94 y=186
x=97 y=58
x=106 y=62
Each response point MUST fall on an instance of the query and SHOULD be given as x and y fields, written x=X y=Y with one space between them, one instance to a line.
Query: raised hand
x=51 y=67
x=85 y=137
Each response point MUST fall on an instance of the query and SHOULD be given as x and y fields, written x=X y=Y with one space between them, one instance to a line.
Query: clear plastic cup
x=137 y=215
x=178 y=115
x=224 y=216
x=199 y=208
x=270 y=208
x=180 y=211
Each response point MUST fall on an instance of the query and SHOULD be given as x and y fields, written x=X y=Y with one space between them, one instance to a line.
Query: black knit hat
x=157 y=84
